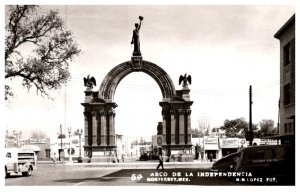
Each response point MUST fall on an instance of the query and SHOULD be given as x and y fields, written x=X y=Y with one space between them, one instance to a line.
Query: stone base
x=103 y=154
x=104 y=159
x=182 y=158
x=178 y=153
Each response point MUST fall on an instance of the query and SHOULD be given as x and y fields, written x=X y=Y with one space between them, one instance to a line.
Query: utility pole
x=70 y=149
x=60 y=152
x=60 y=136
x=249 y=133
x=278 y=120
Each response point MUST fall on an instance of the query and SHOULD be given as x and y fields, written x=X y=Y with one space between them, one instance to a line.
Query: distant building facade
x=65 y=144
x=41 y=144
x=286 y=36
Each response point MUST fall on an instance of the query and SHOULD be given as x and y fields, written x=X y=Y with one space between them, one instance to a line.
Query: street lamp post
x=70 y=152
x=17 y=134
x=80 y=158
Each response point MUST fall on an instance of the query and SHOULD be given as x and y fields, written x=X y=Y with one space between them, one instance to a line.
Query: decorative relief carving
x=137 y=63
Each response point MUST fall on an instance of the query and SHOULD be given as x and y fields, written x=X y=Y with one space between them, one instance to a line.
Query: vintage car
x=276 y=161
x=226 y=163
x=19 y=161
x=267 y=160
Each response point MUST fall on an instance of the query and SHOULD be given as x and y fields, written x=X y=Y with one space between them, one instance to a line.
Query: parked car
x=268 y=160
x=19 y=161
x=227 y=163
x=144 y=157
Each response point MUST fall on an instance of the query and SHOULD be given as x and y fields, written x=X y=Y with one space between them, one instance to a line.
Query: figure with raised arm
x=136 y=38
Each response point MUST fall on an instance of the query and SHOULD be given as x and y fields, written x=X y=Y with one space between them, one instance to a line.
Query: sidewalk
x=132 y=165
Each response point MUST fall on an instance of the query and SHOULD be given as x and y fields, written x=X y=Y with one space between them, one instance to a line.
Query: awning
x=31 y=147
x=211 y=147
x=290 y=135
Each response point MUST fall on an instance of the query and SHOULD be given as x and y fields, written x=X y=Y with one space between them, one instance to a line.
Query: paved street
x=125 y=174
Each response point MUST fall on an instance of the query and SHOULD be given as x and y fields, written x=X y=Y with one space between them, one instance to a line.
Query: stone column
x=103 y=128
x=86 y=128
x=168 y=128
x=189 y=130
x=176 y=128
x=98 y=118
x=173 y=123
x=164 y=130
x=107 y=129
x=111 y=114
x=181 y=127
x=94 y=128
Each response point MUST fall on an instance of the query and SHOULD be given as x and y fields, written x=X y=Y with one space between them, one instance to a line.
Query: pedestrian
x=210 y=157
x=161 y=160
x=122 y=157
x=54 y=159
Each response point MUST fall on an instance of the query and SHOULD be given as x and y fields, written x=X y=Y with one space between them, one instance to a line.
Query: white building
x=56 y=144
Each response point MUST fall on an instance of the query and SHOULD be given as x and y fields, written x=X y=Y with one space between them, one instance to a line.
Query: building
x=122 y=146
x=286 y=36
x=65 y=144
x=41 y=146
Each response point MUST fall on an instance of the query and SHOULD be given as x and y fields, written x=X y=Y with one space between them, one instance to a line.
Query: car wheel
x=6 y=174
x=28 y=172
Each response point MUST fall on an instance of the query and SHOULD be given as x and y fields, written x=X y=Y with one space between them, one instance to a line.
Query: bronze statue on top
x=136 y=38
x=89 y=82
x=185 y=79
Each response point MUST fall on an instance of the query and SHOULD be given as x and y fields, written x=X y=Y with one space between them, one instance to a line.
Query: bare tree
x=203 y=127
x=38 y=134
x=37 y=49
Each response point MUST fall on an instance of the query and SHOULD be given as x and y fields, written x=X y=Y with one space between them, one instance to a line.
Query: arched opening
x=141 y=94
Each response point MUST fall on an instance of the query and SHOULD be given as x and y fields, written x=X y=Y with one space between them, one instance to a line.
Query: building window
x=287 y=54
x=290 y=127
x=47 y=152
x=285 y=128
x=287 y=94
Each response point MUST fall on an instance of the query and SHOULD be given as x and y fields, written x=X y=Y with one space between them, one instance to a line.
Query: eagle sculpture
x=185 y=79
x=89 y=82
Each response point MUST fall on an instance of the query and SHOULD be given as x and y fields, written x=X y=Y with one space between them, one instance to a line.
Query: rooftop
x=290 y=22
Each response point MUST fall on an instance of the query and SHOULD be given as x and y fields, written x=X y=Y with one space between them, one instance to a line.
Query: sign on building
x=37 y=141
x=229 y=143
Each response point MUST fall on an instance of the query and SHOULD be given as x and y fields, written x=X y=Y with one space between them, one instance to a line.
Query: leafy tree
x=77 y=132
x=266 y=128
x=37 y=49
x=235 y=128
x=61 y=136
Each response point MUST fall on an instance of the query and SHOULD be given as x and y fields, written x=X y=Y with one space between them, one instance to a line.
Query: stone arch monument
x=99 y=108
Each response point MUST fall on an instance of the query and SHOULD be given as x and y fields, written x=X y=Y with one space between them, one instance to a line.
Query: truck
x=20 y=161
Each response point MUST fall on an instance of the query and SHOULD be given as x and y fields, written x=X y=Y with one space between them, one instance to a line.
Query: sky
x=224 y=48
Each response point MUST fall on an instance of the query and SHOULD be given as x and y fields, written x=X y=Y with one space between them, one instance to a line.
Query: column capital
x=164 y=112
x=181 y=111
x=188 y=111
x=94 y=113
x=172 y=112
x=102 y=113
x=111 y=113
